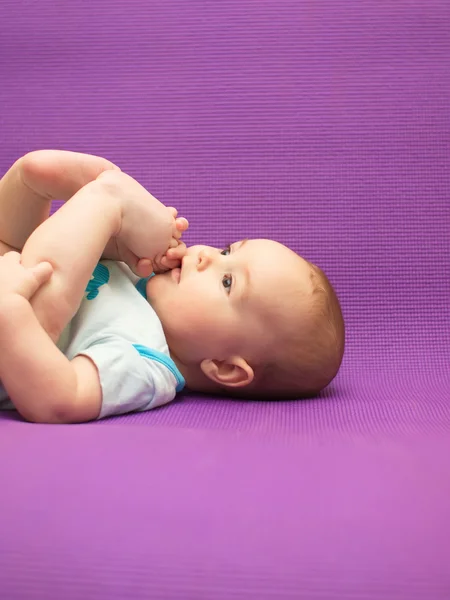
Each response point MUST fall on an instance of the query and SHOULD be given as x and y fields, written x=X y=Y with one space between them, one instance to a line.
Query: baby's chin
x=162 y=281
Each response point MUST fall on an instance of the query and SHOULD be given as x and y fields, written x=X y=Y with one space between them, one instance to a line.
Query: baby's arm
x=43 y=384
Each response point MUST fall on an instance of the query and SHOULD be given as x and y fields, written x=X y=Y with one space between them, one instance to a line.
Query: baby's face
x=223 y=301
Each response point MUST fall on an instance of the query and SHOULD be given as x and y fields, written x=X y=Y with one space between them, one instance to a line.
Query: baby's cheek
x=185 y=316
x=190 y=320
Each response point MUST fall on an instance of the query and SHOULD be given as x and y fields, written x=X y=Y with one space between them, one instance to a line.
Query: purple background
x=322 y=124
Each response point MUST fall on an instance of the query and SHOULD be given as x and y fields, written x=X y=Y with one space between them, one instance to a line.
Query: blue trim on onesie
x=164 y=360
x=141 y=286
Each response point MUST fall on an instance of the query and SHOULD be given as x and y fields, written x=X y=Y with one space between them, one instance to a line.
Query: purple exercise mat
x=322 y=124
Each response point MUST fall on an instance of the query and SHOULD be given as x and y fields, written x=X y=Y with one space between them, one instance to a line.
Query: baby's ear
x=233 y=372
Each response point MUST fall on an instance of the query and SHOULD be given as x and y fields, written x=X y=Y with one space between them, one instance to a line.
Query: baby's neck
x=196 y=380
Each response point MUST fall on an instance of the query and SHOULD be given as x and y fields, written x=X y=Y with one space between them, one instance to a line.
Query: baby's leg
x=72 y=240
x=22 y=209
x=30 y=185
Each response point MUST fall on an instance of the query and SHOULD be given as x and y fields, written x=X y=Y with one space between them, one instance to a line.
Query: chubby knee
x=36 y=161
x=37 y=170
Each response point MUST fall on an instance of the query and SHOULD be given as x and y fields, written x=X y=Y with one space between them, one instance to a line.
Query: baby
x=88 y=339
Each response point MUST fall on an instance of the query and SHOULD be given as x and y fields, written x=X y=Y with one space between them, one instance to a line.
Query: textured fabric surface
x=323 y=124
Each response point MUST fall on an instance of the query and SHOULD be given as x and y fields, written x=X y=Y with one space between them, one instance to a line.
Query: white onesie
x=120 y=332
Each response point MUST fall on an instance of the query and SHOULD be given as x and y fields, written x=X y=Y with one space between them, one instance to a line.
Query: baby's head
x=253 y=320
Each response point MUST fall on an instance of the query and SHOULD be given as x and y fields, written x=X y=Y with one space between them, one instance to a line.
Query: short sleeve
x=130 y=380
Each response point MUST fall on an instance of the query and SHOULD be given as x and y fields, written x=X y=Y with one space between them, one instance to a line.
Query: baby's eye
x=227 y=281
x=226 y=251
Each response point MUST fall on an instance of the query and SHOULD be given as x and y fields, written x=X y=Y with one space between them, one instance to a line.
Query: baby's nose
x=204 y=259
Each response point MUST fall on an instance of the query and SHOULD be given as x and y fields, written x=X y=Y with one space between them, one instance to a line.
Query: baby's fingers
x=34 y=278
x=178 y=252
x=170 y=263
x=143 y=267
x=42 y=272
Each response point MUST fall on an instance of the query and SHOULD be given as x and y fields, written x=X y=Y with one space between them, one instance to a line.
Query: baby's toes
x=182 y=224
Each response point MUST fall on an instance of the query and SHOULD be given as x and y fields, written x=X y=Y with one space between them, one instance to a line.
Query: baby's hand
x=177 y=249
x=20 y=280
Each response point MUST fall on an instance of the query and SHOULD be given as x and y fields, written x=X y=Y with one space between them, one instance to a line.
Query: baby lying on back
x=106 y=311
